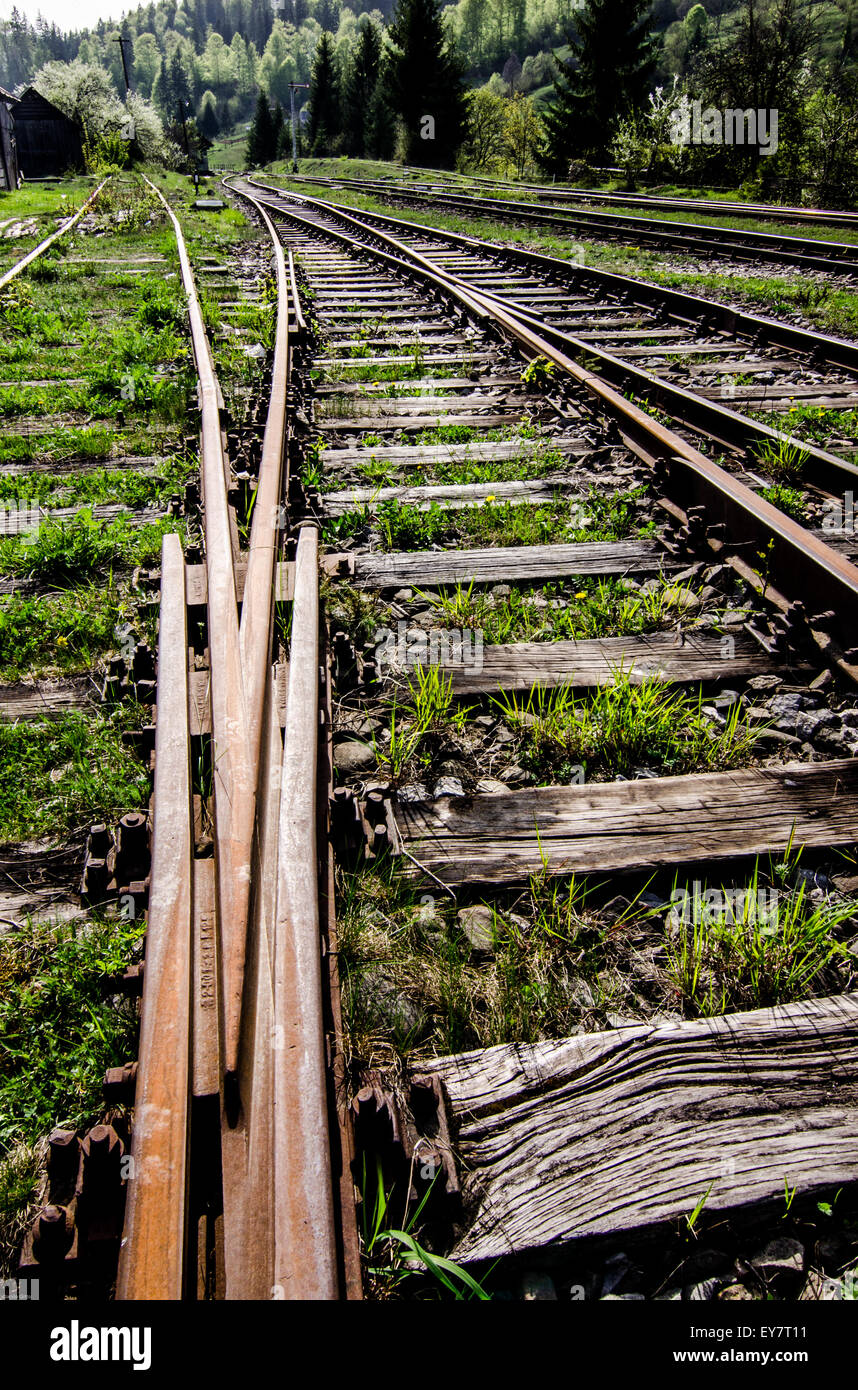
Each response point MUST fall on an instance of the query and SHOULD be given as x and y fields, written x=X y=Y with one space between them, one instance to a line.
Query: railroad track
x=698 y=360
x=469 y=834
x=805 y=253
x=65 y=227
x=756 y=211
x=463 y=449
x=558 y=195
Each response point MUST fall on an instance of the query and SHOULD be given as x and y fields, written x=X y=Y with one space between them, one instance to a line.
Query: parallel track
x=686 y=237
x=559 y=193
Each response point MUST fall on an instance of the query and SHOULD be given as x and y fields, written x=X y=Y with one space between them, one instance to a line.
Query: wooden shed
x=48 y=142
x=8 y=147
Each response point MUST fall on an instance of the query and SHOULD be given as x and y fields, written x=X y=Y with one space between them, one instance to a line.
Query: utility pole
x=292 y=89
x=122 y=42
x=182 y=117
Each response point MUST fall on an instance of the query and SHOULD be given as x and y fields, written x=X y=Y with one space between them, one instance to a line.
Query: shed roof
x=31 y=105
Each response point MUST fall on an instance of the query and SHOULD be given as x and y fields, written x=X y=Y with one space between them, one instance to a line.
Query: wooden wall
x=8 y=151
x=48 y=142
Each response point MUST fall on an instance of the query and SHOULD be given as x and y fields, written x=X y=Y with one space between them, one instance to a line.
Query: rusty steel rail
x=280 y=1230
x=718 y=422
x=296 y=298
x=49 y=241
x=305 y=1264
x=152 y=1261
x=757 y=211
x=681 y=305
x=232 y=764
x=267 y=526
x=801 y=566
x=564 y=193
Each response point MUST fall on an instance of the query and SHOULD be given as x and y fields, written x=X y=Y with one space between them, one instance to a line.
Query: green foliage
x=361 y=91
x=262 y=139
x=58 y=1031
x=394 y=1256
x=325 y=122
x=394 y=752
x=786 y=499
x=20 y=1175
x=66 y=632
x=104 y=154
x=538 y=374
x=600 y=608
x=622 y=726
x=782 y=460
x=401 y=526
x=84 y=547
x=426 y=82
x=66 y=772
x=772 y=948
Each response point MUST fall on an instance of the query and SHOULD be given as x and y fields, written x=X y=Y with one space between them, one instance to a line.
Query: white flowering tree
x=655 y=140
x=85 y=93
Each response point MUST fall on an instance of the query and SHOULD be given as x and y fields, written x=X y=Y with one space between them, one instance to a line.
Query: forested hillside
x=511 y=86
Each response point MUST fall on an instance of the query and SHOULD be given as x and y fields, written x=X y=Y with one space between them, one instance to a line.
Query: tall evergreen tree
x=261 y=22
x=162 y=91
x=426 y=84
x=328 y=15
x=180 y=86
x=207 y=121
x=359 y=88
x=277 y=126
x=284 y=141
x=380 y=124
x=325 y=118
x=261 y=145
x=615 y=49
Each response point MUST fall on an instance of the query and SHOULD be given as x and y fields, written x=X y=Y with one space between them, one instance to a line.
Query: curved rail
x=562 y=193
x=231 y=761
x=269 y=1076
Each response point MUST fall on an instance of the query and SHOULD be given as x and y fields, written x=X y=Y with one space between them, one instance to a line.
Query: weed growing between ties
x=396 y=1264
x=85 y=547
x=65 y=633
x=784 y=462
x=425 y=974
x=20 y=1180
x=787 y=499
x=730 y=950
x=413 y=984
x=101 y=486
x=816 y=424
x=624 y=726
x=557 y=612
x=401 y=526
x=58 y=445
x=59 y=1032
